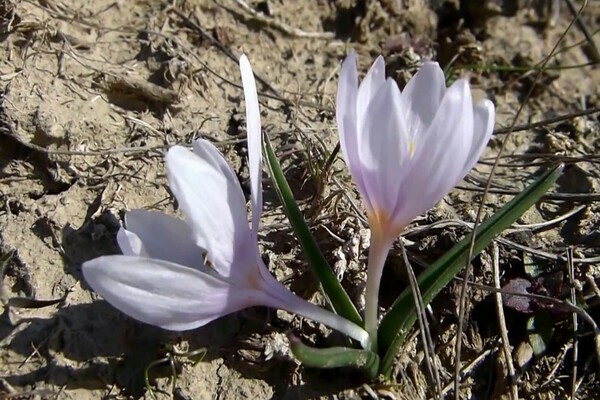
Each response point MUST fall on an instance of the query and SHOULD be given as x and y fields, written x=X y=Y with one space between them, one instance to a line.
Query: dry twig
x=514 y=392
x=571 y=272
x=285 y=28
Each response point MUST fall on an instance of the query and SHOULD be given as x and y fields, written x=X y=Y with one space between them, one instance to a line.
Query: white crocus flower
x=162 y=278
x=405 y=150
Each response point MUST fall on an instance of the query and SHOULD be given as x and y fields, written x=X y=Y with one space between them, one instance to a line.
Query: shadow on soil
x=93 y=346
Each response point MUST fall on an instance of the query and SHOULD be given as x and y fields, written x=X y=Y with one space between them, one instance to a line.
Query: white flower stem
x=377 y=255
x=290 y=302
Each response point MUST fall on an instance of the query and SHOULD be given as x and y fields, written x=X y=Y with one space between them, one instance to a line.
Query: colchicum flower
x=405 y=150
x=181 y=275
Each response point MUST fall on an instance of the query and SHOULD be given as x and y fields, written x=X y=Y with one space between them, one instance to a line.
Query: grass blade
x=401 y=316
x=339 y=299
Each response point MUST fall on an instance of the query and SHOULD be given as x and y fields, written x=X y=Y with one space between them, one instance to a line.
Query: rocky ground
x=93 y=92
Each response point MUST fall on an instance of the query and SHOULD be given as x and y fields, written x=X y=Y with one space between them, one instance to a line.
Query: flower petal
x=214 y=208
x=209 y=153
x=130 y=243
x=163 y=237
x=484 y=115
x=254 y=140
x=439 y=160
x=346 y=118
x=384 y=147
x=164 y=294
x=368 y=88
x=422 y=96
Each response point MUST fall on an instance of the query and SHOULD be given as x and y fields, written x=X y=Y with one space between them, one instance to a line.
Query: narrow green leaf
x=339 y=299
x=401 y=316
x=335 y=357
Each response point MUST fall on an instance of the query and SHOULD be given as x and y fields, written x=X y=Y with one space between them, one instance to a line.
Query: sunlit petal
x=254 y=140
x=438 y=163
x=484 y=115
x=347 y=120
x=384 y=147
x=163 y=237
x=213 y=205
x=369 y=87
x=165 y=294
x=422 y=97
x=209 y=153
x=130 y=244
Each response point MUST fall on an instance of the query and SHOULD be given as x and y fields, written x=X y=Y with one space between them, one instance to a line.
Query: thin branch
x=545 y=122
x=514 y=392
x=586 y=32
x=288 y=30
x=571 y=271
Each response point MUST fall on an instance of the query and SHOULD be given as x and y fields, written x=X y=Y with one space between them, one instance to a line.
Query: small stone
x=523 y=354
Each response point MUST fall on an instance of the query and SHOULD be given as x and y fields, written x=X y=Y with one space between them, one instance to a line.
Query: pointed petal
x=422 y=96
x=438 y=161
x=130 y=244
x=384 y=148
x=368 y=88
x=163 y=237
x=484 y=115
x=254 y=140
x=164 y=294
x=209 y=153
x=214 y=208
x=346 y=118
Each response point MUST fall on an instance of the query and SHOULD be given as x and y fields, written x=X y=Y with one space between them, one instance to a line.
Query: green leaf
x=540 y=328
x=335 y=357
x=339 y=299
x=400 y=318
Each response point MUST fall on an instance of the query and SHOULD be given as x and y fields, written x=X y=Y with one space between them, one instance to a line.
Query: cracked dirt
x=93 y=92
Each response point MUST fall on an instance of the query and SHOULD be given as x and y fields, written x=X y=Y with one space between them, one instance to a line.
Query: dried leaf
x=518 y=303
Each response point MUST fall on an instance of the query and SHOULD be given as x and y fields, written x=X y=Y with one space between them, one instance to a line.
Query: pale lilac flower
x=162 y=278
x=405 y=150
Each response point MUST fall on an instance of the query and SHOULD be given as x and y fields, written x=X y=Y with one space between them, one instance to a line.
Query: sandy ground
x=93 y=92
